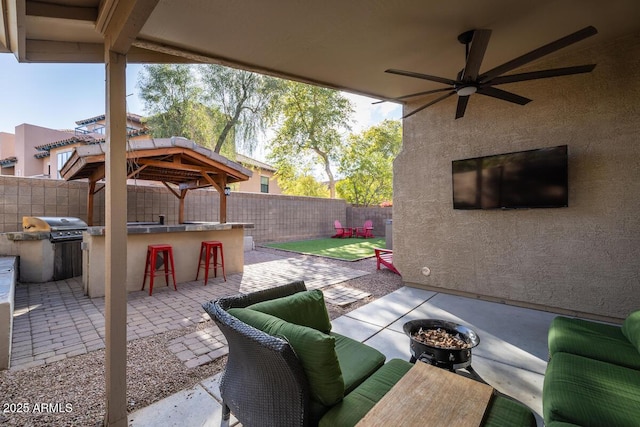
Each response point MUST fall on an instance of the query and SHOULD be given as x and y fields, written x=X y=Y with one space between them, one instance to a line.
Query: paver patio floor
x=55 y=320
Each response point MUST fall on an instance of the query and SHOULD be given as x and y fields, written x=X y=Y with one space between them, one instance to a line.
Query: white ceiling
x=336 y=43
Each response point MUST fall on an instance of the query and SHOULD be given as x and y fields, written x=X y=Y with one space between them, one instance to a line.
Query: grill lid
x=52 y=223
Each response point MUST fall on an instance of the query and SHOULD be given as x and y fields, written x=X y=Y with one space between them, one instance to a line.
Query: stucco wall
x=27 y=138
x=581 y=259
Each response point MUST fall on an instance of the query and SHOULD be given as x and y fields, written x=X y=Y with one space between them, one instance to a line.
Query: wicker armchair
x=264 y=383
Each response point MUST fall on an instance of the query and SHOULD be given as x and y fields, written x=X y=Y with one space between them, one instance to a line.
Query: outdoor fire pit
x=441 y=343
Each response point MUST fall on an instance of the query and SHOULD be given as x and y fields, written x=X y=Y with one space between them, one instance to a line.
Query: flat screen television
x=520 y=180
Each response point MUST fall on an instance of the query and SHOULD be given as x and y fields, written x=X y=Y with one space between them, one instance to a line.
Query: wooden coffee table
x=431 y=396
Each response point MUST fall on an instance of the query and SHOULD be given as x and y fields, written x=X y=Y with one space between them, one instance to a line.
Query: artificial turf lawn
x=349 y=249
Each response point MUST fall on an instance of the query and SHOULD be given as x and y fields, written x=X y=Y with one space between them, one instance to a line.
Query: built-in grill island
x=65 y=235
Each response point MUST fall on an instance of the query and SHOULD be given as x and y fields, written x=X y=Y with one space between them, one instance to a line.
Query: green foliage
x=244 y=99
x=367 y=164
x=171 y=96
x=215 y=106
x=313 y=119
x=296 y=183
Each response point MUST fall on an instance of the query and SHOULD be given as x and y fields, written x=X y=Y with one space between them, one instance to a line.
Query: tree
x=172 y=97
x=211 y=104
x=303 y=183
x=310 y=131
x=245 y=99
x=367 y=164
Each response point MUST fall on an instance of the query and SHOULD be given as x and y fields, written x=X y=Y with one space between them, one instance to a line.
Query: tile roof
x=133 y=117
x=240 y=158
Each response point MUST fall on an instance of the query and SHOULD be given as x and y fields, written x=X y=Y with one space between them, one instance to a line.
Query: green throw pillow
x=631 y=328
x=316 y=351
x=305 y=308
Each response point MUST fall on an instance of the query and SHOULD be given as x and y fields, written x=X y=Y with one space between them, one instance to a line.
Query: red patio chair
x=365 y=231
x=342 y=231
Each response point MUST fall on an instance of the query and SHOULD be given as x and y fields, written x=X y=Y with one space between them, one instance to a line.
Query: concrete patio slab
x=353 y=328
x=385 y=311
x=192 y=407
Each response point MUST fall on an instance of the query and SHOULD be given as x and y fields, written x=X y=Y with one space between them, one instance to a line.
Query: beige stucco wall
x=252 y=185
x=27 y=138
x=7 y=145
x=186 y=250
x=583 y=258
x=35 y=256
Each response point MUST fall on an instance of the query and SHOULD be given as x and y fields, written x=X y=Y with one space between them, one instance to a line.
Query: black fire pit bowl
x=451 y=358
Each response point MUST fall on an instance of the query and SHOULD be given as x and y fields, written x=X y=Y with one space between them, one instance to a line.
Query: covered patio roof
x=345 y=45
x=176 y=161
x=340 y=44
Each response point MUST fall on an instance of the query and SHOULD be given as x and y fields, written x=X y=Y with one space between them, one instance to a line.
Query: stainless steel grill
x=60 y=229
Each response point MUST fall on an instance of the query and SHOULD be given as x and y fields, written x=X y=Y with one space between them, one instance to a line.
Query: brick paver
x=56 y=320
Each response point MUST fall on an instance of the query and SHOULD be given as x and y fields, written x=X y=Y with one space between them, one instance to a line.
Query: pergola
x=341 y=44
x=180 y=164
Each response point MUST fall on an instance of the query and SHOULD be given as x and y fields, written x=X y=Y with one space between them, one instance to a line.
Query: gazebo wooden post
x=92 y=191
x=223 y=199
x=183 y=194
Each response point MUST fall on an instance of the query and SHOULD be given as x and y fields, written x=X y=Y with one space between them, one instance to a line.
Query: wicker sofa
x=269 y=379
x=593 y=374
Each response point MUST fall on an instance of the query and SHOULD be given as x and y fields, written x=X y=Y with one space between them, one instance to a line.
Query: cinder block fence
x=276 y=217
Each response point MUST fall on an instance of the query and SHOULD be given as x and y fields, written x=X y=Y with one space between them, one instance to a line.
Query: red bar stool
x=209 y=253
x=150 y=268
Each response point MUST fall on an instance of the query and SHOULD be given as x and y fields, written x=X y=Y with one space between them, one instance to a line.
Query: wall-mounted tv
x=524 y=179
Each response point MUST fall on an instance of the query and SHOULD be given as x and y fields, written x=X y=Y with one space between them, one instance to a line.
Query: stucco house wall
x=27 y=137
x=582 y=259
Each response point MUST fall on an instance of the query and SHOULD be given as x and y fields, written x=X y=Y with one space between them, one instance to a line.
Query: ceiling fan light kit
x=469 y=81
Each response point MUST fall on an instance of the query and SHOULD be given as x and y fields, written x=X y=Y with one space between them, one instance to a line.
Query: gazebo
x=178 y=163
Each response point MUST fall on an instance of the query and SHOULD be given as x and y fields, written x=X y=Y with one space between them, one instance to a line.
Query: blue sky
x=57 y=95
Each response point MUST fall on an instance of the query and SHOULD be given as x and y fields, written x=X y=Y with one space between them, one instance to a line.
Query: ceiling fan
x=469 y=80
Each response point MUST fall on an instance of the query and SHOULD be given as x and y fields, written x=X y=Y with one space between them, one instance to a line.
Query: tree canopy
x=310 y=132
x=367 y=164
x=216 y=106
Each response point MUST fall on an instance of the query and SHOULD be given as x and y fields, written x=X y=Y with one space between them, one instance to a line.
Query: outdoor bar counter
x=185 y=240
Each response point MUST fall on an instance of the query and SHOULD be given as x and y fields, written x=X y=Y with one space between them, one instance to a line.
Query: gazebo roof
x=174 y=160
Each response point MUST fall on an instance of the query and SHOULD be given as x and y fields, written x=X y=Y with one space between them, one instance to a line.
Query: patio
x=511 y=356
x=55 y=321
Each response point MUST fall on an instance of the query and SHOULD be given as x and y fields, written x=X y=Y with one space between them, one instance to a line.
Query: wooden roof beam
x=50 y=10
x=120 y=21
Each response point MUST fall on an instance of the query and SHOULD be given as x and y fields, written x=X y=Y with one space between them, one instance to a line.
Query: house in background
x=35 y=151
x=263 y=179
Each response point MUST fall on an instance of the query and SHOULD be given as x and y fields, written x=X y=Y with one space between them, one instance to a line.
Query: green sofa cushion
x=302 y=308
x=589 y=392
x=315 y=350
x=593 y=340
x=357 y=361
x=560 y=424
x=631 y=329
x=356 y=404
x=504 y=412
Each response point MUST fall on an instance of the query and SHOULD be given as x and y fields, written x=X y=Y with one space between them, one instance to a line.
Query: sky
x=57 y=95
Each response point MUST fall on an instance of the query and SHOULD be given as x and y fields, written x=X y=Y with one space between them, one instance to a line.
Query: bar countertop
x=159 y=228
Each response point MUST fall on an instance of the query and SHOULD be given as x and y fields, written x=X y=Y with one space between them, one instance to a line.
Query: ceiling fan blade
x=540 y=52
x=427 y=92
x=544 y=74
x=429 y=104
x=479 y=44
x=421 y=76
x=462 y=106
x=504 y=95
